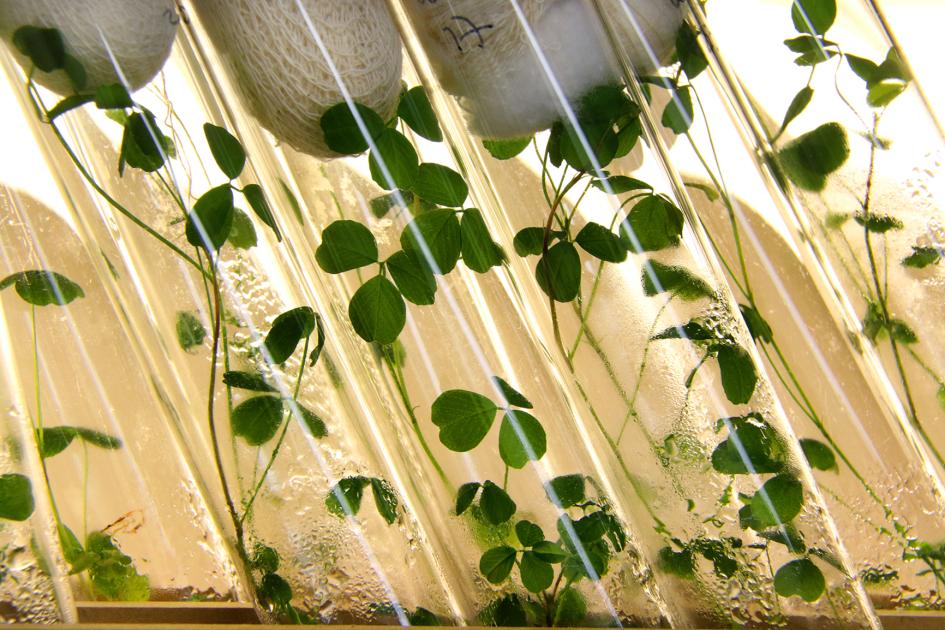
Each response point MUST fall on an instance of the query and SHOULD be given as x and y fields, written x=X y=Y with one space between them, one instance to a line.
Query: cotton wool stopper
x=116 y=41
x=284 y=79
x=483 y=55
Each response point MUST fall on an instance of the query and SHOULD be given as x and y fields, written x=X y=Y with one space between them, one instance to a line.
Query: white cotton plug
x=125 y=41
x=484 y=56
x=281 y=73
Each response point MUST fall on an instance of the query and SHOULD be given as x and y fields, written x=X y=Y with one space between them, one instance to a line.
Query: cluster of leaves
x=588 y=535
x=214 y=218
x=584 y=544
x=258 y=418
x=273 y=589
x=442 y=233
x=608 y=128
x=736 y=367
x=754 y=448
x=111 y=572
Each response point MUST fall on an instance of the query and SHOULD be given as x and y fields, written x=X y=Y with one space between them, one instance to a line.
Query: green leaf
x=44 y=47
x=716 y=552
x=342 y=133
x=507 y=611
x=506 y=149
x=465 y=496
x=777 y=502
x=496 y=505
x=600 y=242
x=275 y=589
x=247 y=380
x=344 y=498
x=812 y=50
x=112 y=573
x=618 y=184
x=114 y=96
x=377 y=311
x=628 y=135
x=922 y=257
x=512 y=396
x=530 y=241
x=528 y=533
x=751 y=449
x=819 y=455
x=811 y=157
x=56 y=439
x=813 y=16
x=692 y=330
x=383 y=204
x=242 y=233
x=464 y=418
x=257 y=201
x=658 y=278
x=878 y=223
x=190 y=332
x=537 y=575
x=757 y=326
x=688 y=52
x=521 y=439
x=678 y=115
x=143 y=145
x=16 y=497
x=42 y=288
x=863 y=68
x=559 y=272
x=75 y=71
x=257 y=419
x=423 y=617
x=416 y=111
x=738 y=374
x=480 y=252
x=440 y=185
x=293 y=202
x=315 y=425
x=653 y=224
x=385 y=499
x=600 y=139
x=679 y=563
x=208 y=224
x=413 y=278
x=264 y=558
x=800 y=577
x=496 y=564
x=570 y=609
x=901 y=332
x=346 y=245
x=549 y=551
x=398 y=156
x=68 y=104
x=288 y=329
x=227 y=151
x=568 y=490
x=798 y=104
x=438 y=234
x=940 y=395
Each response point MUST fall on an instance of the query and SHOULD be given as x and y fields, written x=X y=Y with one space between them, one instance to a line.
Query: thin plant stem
x=248 y=505
x=214 y=440
x=402 y=390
